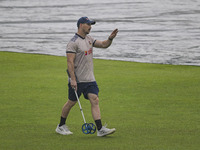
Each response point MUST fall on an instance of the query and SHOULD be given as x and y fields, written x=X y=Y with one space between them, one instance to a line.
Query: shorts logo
x=88 y=52
x=90 y=43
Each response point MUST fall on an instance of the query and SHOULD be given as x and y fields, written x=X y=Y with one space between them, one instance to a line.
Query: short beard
x=86 y=32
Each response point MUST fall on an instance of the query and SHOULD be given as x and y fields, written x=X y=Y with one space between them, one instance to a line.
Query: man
x=81 y=77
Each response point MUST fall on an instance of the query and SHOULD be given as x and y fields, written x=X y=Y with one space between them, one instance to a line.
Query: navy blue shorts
x=85 y=88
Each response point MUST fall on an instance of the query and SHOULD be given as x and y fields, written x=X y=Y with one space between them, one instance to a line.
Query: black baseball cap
x=85 y=20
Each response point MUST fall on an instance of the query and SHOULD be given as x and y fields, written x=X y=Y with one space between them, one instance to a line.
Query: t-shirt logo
x=88 y=52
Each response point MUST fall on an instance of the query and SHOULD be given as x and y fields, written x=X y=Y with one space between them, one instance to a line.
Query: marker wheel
x=88 y=128
x=92 y=128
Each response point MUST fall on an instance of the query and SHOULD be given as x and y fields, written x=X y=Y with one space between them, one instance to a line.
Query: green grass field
x=152 y=106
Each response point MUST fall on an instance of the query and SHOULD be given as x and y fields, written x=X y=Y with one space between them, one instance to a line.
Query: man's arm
x=108 y=42
x=70 y=67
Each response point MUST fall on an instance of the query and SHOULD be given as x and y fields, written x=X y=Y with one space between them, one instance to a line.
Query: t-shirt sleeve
x=93 y=42
x=71 y=47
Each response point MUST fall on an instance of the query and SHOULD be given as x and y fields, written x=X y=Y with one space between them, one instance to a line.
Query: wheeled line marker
x=87 y=128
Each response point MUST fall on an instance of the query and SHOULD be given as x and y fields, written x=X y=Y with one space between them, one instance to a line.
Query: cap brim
x=93 y=22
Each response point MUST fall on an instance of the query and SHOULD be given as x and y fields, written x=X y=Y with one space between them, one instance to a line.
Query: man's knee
x=71 y=103
x=94 y=99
